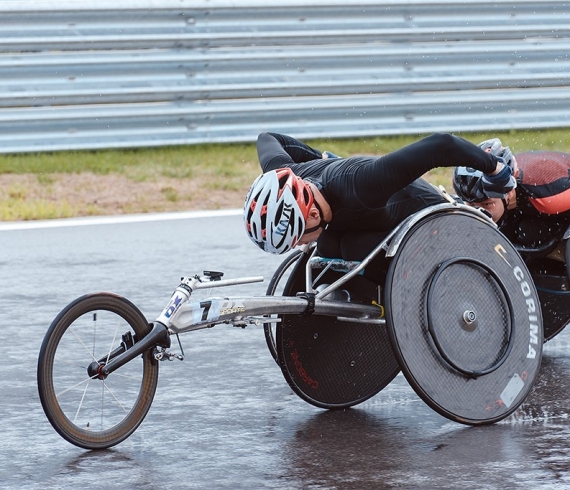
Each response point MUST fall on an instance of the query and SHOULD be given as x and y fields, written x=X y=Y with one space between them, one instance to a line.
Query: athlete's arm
x=279 y=150
x=375 y=183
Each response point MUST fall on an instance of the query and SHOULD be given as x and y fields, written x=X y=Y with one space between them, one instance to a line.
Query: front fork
x=159 y=335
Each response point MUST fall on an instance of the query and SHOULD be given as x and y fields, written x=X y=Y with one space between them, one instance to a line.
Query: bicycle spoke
x=80 y=340
x=102 y=410
x=106 y=387
x=111 y=346
x=81 y=402
x=68 y=362
x=119 y=374
x=86 y=380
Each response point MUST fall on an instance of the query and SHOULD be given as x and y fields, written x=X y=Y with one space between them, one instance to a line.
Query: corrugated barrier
x=150 y=73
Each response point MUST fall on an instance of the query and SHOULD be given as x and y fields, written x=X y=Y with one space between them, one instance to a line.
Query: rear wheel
x=330 y=362
x=88 y=411
x=275 y=287
x=464 y=318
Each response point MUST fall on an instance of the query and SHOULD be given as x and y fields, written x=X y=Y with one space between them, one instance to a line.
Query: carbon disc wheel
x=331 y=363
x=464 y=318
x=469 y=317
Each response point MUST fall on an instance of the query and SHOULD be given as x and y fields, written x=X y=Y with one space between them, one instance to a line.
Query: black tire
x=86 y=411
x=567 y=257
x=274 y=283
x=553 y=287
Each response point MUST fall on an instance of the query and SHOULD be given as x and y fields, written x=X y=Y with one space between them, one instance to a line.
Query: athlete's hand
x=499 y=184
x=496 y=148
x=492 y=146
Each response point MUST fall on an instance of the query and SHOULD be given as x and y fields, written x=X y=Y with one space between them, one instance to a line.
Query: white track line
x=109 y=220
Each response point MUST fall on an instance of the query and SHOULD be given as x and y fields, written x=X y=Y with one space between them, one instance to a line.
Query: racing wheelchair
x=549 y=266
x=456 y=311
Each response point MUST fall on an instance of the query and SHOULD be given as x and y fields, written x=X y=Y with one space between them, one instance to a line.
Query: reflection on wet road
x=225 y=417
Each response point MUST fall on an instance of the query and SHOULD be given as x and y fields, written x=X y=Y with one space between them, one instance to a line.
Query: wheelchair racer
x=538 y=209
x=347 y=205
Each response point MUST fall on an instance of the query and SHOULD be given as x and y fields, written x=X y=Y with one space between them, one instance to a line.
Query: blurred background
x=139 y=73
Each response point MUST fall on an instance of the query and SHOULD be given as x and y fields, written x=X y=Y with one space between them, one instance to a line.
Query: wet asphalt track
x=225 y=417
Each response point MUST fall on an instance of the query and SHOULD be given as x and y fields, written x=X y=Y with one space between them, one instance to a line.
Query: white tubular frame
x=182 y=315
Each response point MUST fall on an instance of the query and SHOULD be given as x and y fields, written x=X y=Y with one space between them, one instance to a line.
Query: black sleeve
x=390 y=173
x=278 y=150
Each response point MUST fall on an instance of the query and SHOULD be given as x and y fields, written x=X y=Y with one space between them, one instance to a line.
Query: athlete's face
x=310 y=237
x=313 y=220
x=494 y=206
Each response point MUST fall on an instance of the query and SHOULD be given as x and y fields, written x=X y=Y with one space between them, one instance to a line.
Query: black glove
x=496 y=148
x=492 y=146
x=500 y=184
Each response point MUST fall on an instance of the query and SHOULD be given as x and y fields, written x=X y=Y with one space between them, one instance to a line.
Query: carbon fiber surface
x=331 y=363
x=478 y=339
x=468 y=333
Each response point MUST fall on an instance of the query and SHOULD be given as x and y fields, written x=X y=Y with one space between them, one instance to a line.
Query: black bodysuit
x=370 y=195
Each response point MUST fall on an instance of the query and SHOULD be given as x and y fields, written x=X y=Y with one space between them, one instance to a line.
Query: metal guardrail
x=150 y=73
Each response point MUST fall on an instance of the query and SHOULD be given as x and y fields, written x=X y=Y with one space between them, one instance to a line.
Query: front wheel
x=86 y=410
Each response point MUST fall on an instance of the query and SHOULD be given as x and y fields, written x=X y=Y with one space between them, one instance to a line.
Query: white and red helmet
x=276 y=210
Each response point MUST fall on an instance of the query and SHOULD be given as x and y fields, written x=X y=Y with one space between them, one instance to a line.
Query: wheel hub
x=95 y=370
